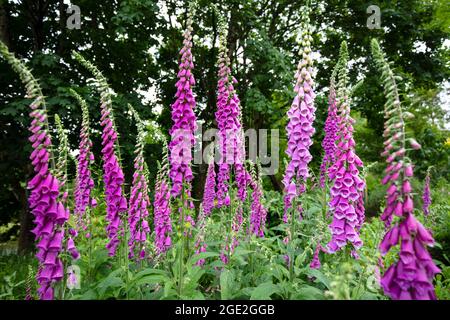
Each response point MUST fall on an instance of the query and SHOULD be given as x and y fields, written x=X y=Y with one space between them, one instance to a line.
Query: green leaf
x=309 y=293
x=226 y=284
x=264 y=291
x=320 y=277
x=203 y=255
x=150 y=279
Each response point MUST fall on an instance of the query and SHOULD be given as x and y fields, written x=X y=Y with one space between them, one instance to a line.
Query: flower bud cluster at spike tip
x=347 y=187
x=44 y=199
x=299 y=129
x=84 y=182
x=230 y=136
x=411 y=277
x=426 y=196
x=161 y=205
x=209 y=194
x=330 y=129
x=60 y=171
x=139 y=200
x=184 y=119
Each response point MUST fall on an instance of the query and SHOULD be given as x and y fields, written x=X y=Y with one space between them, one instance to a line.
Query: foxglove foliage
x=113 y=177
x=299 y=129
x=184 y=120
x=84 y=182
x=45 y=201
x=411 y=277
x=139 y=200
x=330 y=129
x=346 y=185
x=426 y=196
x=161 y=205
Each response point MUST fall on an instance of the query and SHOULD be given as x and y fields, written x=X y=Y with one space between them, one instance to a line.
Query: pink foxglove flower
x=139 y=200
x=113 y=178
x=161 y=206
x=411 y=277
x=230 y=136
x=84 y=182
x=209 y=194
x=346 y=184
x=300 y=129
x=315 y=262
x=45 y=200
x=258 y=213
x=184 y=120
x=330 y=129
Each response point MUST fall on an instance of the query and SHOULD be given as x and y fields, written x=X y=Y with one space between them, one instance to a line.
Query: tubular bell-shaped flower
x=209 y=193
x=184 y=120
x=230 y=135
x=45 y=201
x=331 y=124
x=116 y=203
x=346 y=184
x=61 y=174
x=258 y=211
x=301 y=116
x=411 y=277
x=84 y=182
x=161 y=206
x=139 y=200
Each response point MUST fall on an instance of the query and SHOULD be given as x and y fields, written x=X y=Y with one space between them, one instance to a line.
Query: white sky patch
x=420 y=46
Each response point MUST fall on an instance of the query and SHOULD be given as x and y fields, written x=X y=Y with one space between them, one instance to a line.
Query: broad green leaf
x=226 y=284
x=264 y=291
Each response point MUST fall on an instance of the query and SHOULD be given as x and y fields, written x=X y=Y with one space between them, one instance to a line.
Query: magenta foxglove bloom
x=84 y=182
x=163 y=225
x=184 y=119
x=411 y=277
x=347 y=187
x=300 y=129
x=46 y=205
x=139 y=200
x=258 y=212
x=209 y=194
x=113 y=178
x=230 y=136
x=426 y=196
x=315 y=262
x=330 y=129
